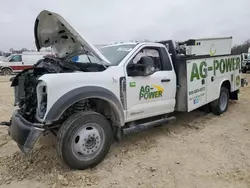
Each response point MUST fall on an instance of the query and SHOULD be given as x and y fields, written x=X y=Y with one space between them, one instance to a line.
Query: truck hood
x=52 y=30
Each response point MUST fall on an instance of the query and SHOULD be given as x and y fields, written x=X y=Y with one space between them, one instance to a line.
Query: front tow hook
x=5 y=123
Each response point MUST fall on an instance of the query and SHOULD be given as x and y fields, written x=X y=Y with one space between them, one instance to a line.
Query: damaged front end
x=23 y=132
x=50 y=30
x=25 y=126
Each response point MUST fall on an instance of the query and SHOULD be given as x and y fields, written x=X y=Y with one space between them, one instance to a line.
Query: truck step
x=143 y=126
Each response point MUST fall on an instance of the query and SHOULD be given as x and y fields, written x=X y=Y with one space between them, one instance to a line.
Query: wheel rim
x=6 y=72
x=223 y=101
x=87 y=142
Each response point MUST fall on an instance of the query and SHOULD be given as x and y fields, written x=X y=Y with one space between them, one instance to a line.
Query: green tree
x=241 y=48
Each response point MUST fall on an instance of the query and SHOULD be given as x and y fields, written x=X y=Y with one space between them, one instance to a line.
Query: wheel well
x=94 y=104
x=227 y=85
x=7 y=68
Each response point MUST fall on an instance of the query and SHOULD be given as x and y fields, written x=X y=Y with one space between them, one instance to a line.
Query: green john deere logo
x=150 y=92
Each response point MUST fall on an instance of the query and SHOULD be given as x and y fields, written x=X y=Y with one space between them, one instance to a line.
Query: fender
x=5 y=67
x=81 y=93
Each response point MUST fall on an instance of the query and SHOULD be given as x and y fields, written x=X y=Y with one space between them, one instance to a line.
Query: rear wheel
x=84 y=140
x=220 y=105
x=6 y=71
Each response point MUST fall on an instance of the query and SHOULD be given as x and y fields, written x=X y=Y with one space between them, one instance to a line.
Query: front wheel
x=220 y=105
x=84 y=140
x=6 y=71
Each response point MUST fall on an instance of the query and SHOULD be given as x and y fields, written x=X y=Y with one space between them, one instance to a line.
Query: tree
x=241 y=48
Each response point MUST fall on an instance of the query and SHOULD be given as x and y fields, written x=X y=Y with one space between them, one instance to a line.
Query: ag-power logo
x=150 y=92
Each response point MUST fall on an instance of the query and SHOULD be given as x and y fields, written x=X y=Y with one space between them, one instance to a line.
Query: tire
x=84 y=140
x=6 y=71
x=220 y=105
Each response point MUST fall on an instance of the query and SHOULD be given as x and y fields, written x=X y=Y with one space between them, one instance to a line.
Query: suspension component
x=81 y=106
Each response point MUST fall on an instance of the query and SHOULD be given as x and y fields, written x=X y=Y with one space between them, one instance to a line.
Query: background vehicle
x=18 y=62
x=245 y=61
x=129 y=87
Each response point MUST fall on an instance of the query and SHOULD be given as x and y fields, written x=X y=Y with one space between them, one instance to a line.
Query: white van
x=18 y=62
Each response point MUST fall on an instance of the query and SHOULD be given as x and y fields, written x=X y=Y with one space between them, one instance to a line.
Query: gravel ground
x=198 y=150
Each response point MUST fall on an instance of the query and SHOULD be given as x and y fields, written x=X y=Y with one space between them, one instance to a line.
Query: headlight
x=41 y=91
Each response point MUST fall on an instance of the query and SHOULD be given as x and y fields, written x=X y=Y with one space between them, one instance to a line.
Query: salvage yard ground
x=199 y=150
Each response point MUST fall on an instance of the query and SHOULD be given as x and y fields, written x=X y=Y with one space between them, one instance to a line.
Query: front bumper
x=23 y=132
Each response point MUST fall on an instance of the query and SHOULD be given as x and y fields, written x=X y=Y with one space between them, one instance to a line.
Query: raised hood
x=52 y=30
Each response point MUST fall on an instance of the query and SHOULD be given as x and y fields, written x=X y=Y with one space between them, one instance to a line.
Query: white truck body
x=124 y=88
x=219 y=69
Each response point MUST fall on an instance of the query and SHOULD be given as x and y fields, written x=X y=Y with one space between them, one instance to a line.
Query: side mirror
x=144 y=67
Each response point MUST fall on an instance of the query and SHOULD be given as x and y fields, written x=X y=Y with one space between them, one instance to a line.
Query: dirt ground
x=198 y=150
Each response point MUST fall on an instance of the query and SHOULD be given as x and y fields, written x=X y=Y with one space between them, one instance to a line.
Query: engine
x=25 y=84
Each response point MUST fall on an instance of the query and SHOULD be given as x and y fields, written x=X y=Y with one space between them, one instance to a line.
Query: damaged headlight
x=41 y=91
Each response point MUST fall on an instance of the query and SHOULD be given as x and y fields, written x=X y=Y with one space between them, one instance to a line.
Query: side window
x=16 y=58
x=149 y=52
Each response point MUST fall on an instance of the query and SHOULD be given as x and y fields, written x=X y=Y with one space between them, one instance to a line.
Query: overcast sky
x=104 y=21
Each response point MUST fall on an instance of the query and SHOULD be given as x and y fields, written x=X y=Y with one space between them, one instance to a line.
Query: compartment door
x=196 y=83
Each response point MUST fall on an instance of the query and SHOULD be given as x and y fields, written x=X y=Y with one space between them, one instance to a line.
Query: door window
x=148 y=52
x=16 y=58
x=154 y=61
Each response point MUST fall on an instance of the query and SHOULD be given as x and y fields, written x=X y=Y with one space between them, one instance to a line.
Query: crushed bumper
x=24 y=133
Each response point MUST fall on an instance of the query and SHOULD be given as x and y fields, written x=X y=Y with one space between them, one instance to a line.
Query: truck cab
x=149 y=93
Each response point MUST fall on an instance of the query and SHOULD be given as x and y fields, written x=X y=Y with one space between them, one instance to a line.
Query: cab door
x=154 y=94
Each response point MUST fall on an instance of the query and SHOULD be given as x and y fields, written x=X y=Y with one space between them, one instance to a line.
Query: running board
x=140 y=127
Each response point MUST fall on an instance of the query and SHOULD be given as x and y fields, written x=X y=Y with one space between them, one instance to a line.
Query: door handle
x=212 y=78
x=203 y=81
x=165 y=80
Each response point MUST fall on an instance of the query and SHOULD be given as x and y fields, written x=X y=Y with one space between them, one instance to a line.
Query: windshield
x=116 y=53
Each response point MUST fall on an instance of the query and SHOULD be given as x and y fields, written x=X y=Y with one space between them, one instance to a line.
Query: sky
x=105 y=21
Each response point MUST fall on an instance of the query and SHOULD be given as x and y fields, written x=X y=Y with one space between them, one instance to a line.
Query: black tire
x=67 y=140
x=244 y=70
x=216 y=106
x=6 y=71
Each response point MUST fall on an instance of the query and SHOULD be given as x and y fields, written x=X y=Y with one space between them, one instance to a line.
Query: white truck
x=124 y=88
